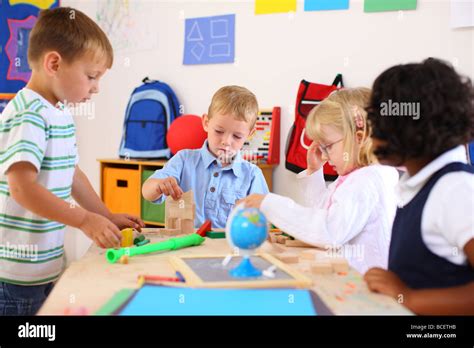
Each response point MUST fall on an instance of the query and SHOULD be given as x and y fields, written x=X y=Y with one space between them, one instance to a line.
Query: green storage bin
x=152 y=212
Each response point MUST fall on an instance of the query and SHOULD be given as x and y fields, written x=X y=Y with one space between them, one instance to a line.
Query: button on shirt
x=216 y=188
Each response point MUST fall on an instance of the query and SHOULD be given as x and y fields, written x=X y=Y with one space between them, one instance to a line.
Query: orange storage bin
x=122 y=190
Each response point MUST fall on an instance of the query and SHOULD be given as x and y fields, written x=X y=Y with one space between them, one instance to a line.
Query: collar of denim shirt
x=208 y=158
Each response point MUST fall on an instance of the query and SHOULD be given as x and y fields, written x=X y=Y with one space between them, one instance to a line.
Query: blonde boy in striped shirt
x=39 y=173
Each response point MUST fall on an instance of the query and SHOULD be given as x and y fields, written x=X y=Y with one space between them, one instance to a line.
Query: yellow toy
x=127 y=237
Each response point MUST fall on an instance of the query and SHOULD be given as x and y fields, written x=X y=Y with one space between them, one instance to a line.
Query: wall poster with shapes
x=209 y=40
x=17 y=18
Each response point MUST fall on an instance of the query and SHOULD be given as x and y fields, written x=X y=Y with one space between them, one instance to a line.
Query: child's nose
x=95 y=89
x=226 y=139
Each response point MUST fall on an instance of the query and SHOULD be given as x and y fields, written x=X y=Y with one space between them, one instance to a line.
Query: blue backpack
x=151 y=109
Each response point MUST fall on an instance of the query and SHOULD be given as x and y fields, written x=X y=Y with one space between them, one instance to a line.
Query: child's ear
x=205 y=122
x=252 y=132
x=51 y=62
x=359 y=136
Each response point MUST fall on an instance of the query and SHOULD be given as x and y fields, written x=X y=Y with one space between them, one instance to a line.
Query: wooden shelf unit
x=133 y=203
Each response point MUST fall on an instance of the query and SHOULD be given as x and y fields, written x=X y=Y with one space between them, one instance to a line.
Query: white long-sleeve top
x=354 y=213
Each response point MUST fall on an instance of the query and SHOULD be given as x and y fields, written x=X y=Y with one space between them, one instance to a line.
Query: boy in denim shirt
x=216 y=173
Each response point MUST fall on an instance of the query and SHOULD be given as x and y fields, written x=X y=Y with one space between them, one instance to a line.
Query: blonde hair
x=70 y=33
x=345 y=110
x=236 y=101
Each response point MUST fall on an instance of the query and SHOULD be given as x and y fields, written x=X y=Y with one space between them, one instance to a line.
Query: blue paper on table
x=209 y=40
x=162 y=300
x=324 y=5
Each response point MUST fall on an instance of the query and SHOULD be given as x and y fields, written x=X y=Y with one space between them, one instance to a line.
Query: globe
x=248 y=229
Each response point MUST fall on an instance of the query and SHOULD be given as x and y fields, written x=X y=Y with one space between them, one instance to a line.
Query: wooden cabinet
x=121 y=182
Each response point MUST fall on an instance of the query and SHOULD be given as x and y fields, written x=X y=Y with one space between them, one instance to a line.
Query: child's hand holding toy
x=169 y=187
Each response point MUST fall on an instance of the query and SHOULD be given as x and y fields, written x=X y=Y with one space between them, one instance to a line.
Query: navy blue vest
x=409 y=257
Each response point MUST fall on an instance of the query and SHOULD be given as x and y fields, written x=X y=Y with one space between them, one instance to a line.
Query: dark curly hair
x=446 y=110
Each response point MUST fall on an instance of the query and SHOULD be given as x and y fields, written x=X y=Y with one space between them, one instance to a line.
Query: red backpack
x=309 y=95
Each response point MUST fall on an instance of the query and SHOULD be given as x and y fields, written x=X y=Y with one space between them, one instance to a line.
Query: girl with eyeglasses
x=352 y=215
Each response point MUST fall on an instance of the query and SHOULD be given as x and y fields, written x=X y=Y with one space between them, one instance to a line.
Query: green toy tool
x=113 y=255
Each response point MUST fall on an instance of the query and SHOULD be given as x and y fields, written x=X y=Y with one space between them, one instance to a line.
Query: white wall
x=273 y=53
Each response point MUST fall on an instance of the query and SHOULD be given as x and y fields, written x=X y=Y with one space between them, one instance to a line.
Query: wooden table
x=92 y=281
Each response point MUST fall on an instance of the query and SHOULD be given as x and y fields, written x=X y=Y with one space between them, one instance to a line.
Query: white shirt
x=356 y=211
x=447 y=222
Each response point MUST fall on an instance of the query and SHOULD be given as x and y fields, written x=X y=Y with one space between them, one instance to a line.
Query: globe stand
x=245 y=269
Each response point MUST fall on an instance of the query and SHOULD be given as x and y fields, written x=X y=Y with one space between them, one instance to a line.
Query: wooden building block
x=169 y=231
x=288 y=258
x=308 y=255
x=151 y=231
x=340 y=264
x=180 y=214
x=272 y=248
x=187 y=226
x=297 y=243
x=189 y=214
x=321 y=267
x=282 y=239
x=272 y=237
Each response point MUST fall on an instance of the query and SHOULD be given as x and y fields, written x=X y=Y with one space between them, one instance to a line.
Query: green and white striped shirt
x=33 y=130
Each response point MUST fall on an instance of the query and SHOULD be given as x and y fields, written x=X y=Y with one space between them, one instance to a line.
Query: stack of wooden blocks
x=179 y=215
x=318 y=262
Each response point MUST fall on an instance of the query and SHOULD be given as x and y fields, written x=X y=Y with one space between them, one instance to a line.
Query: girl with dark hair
x=421 y=115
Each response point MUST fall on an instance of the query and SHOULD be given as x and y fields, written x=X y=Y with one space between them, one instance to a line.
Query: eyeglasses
x=326 y=148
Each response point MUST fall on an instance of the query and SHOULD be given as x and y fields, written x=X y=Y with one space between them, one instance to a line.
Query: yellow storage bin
x=121 y=190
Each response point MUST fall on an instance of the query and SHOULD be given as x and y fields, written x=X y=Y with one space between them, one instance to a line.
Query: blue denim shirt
x=216 y=188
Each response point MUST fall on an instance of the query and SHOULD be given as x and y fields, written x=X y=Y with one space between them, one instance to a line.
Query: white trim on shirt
x=447 y=223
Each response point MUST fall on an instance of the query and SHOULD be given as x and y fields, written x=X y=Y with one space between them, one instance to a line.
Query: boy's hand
x=169 y=187
x=387 y=283
x=314 y=158
x=101 y=230
x=252 y=201
x=125 y=220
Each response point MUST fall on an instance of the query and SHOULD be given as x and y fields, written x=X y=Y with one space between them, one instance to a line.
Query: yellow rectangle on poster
x=274 y=6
